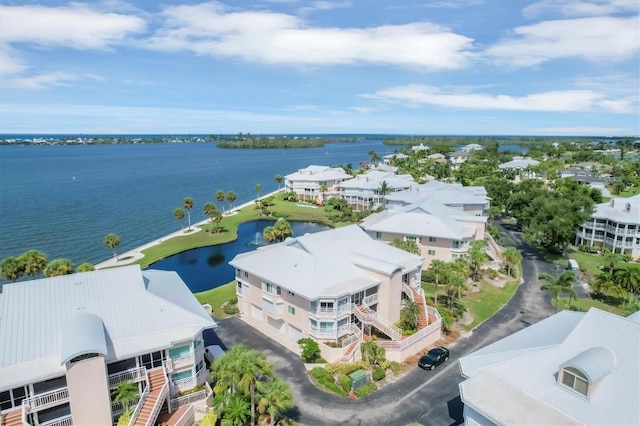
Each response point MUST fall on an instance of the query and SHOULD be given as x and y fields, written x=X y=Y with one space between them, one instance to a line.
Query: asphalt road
x=425 y=397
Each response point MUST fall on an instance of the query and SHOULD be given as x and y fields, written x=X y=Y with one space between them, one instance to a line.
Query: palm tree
x=439 y=271
x=236 y=411
x=409 y=314
x=254 y=366
x=112 y=241
x=231 y=197
x=513 y=257
x=282 y=229
x=559 y=285
x=188 y=205
x=372 y=354
x=477 y=257
x=58 y=267
x=34 y=262
x=611 y=259
x=209 y=210
x=455 y=286
x=269 y=234
x=217 y=218
x=125 y=393
x=373 y=157
x=258 y=187
x=179 y=215
x=628 y=279
x=605 y=284
x=85 y=267
x=278 y=179
x=220 y=197
x=11 y=268
x=275 y=398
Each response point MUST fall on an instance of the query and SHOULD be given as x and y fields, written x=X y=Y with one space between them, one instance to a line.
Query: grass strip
x=216 y=297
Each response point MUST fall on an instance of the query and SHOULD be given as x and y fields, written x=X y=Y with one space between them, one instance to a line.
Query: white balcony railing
x=176 y=403
x=137 y=374
x=60 y=421
x=118 y=408
x=370 y=300
x=46 y=400
x=182 y=385
x=321 y=333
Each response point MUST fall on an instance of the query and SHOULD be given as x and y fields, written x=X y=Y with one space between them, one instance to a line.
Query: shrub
x=331 y=385
x=447 y=319
x=492 y=273
x=319 y=373
x=365 y=390
x=230 y=309
x=124 y=418
x=345 y=382
x=395 y=367
x=310 y=349
x=378 y=373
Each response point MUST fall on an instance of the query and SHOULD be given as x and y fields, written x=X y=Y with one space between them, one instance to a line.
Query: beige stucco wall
x=390 y=297
x=89 y=392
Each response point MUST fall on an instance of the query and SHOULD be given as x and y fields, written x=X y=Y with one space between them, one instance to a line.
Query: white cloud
x=43 y=81
x=575 y=8
x=552 y=101
x=276 y=38
x=10 y=60
x=75 y=26
x=453 y=4
x=324 y=5
x=592 y=39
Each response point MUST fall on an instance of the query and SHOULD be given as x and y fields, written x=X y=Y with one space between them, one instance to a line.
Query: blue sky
x=473 y=67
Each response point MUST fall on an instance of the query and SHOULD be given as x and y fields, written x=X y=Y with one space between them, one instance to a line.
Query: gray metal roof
x=614 y=400
x=616 y=209
x=329 y=263
x=142 y=311
x=82 y=334
x=594 y=362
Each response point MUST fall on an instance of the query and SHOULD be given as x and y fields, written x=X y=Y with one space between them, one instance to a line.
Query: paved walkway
x=136 y=254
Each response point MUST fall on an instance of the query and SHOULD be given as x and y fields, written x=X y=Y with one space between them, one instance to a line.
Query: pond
x=208 y=267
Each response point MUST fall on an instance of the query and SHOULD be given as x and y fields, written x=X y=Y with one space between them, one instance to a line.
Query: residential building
x=390 y=159
x=587 y=177
x=471 y=147
x=68 y=341
x=457 y=157
x=441 y=232
x=367 y=190
x=315 y=181
x=334 y=286
x=522 y=166
x=614 y=225
x=469 y=199
x=421 y=147
x=573 y=368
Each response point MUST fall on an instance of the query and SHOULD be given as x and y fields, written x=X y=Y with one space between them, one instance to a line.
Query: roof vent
x=612 y=203
x=627 y=207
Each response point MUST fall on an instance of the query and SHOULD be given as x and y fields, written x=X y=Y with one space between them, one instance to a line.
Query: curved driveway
x=425 y=397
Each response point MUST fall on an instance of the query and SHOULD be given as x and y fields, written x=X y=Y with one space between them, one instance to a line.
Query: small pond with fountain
x=205 y=268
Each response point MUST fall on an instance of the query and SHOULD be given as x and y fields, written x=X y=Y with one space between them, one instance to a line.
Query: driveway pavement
x=425 y=397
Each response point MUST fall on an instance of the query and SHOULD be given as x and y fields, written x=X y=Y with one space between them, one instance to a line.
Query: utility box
x=358 y=379
x=574 y=267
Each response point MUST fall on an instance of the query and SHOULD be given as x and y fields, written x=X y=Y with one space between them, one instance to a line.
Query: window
x=278 y=290
x=246 y=274
x=431 y=252
x=291 y=310
x=378 y=235
x=410 y=238
x=329 y=325
x=573 y=378
x=432 y=239
x=268 y=287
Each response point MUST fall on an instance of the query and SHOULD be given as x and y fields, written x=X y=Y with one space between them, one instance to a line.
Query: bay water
x=64 y=199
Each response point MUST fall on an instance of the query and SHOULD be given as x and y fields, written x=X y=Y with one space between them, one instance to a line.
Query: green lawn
x=486 y=302
x=634 y=190
x=229 y=229
x=585 y=304
x=217 y=296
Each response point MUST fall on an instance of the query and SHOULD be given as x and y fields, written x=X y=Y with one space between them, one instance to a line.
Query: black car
x=434 y=357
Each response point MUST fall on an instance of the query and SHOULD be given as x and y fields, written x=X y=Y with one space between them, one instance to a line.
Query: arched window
x=575 y=379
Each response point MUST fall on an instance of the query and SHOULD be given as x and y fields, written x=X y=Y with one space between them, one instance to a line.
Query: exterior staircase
x=158 y=392
x=418 y=297
x=367 y=316
x=11 y=418
x=493 y=250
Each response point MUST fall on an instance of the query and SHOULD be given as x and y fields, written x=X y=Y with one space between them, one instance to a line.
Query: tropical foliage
x=558 y=285
x=112 y=241
x=58 y=267
x=245 y=386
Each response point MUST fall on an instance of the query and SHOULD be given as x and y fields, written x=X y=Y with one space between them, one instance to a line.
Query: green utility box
x=358 y=379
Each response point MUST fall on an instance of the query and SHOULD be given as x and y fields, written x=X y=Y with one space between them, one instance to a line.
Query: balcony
x=187 y=359
x=323 y=333
x=46 y=400
x=60 y=421
x=182 y=385
x=136 y=375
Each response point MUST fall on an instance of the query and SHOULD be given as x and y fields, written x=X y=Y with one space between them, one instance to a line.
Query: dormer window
x=627 y=207
x=583 y=372
x=576 y=380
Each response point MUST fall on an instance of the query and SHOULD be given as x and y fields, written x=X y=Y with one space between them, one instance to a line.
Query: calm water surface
x=208 y=267
x=63 y=200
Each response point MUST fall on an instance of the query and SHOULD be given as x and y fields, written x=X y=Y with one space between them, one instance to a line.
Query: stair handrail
x=164 y=391
x=143 y=397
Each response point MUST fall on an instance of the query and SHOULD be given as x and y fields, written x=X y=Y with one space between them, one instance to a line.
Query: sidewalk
x=136 y=254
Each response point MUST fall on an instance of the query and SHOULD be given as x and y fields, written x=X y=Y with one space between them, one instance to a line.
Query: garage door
x=256 y=313
x=295 y=334
x=276 y=324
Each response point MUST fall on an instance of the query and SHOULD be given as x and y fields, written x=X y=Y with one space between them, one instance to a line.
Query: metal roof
x=142 y=311
x=329 y=263
x=594 y=362
x=82 y=334
x=535 y=372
